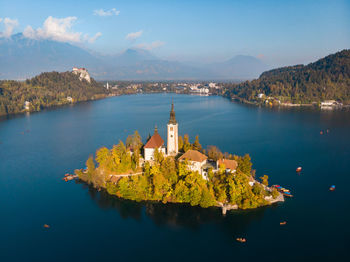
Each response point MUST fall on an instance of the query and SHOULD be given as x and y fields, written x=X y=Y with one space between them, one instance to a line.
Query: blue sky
x=279 y=32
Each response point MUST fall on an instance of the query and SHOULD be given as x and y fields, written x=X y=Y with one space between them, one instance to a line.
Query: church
x=156 y=141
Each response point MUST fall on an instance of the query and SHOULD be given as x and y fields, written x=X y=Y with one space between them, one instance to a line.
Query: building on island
x=155 y=142
x=172 y=139
x=230 y=165
x=196 y=160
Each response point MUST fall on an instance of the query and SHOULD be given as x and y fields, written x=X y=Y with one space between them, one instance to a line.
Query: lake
x=36 y=150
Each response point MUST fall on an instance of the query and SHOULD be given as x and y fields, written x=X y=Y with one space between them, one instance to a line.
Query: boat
x=332 y=188
x=241 y=239
x=287 y=194
x=299 y=169
x=283 y=223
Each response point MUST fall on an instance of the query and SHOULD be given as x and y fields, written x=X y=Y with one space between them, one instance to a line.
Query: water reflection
x=177 y=215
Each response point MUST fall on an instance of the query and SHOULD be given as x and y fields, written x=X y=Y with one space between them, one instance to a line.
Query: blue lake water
x=36 y=150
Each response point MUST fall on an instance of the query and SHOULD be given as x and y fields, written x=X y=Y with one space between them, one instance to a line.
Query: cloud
x=93 y=39
x=260 y=56
x=134 y=35
x=101 y=12
x=151 y=46
x=59 y=29
x=9 y=25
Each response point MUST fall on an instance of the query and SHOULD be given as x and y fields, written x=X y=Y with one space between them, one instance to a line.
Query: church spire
x=172 y=119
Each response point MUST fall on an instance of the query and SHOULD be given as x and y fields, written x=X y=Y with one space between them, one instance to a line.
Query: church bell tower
x=173 y=140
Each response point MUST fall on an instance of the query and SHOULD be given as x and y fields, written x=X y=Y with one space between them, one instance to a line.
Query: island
x=180 y=172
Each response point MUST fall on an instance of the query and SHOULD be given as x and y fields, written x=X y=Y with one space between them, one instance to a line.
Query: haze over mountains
x=22 y=57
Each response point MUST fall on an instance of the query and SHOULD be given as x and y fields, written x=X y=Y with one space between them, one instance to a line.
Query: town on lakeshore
x=178 y=172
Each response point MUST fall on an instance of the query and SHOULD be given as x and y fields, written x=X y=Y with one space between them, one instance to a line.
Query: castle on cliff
x=82 y=72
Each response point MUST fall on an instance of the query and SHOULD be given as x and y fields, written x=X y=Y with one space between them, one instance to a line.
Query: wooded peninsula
x=325 y=79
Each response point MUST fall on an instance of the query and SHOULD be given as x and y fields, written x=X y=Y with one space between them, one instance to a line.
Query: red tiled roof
x=193 y=155
x=230 y=164
x=155 y=141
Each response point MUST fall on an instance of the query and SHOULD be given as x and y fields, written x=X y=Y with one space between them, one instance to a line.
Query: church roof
x=193 y=155
x=155 y=141
x=230 y=164
x=172 y=119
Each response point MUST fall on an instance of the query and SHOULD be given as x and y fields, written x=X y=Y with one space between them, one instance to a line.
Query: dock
x=68 y=177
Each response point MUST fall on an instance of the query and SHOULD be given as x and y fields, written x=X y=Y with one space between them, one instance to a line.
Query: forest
x=170 y=180
x=325 y=79
x=46 y=90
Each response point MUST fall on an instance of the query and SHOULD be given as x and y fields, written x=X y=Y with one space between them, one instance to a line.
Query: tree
x=245 y=164
x=186 y=145
x=134 y=142
x=102 y=156
x=264 y=180
x=181 y=143
x=274 y=193
x=214 y=153
x=196 y=145
x=158 y=156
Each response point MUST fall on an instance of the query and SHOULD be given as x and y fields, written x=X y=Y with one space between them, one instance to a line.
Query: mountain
x=21 y=57
x=132 y=56
x=325 y=79
x=239 y=67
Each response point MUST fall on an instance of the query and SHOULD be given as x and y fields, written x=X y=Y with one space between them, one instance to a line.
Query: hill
x=46 y=90
x=327 y=78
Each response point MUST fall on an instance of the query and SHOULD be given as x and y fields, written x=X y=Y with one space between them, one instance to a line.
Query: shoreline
x=232 y=99
x=313 y=105
x=223 y=206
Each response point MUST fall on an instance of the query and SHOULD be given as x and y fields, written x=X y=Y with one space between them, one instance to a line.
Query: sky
x=280 y=32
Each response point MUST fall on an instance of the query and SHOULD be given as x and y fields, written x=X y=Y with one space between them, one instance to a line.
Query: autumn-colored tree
x=214 y=153
x=196 y=145
x=265 y=180
x=181 y=143
x=187 y=145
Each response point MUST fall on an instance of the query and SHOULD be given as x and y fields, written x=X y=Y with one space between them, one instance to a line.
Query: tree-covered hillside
x=327 y=78
x=46 y=90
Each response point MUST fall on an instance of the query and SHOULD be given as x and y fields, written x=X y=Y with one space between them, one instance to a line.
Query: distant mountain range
x=22 y=57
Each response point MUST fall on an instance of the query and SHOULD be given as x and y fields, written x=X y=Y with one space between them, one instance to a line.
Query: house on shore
x=155 y=142
x=196 y=161
x=330 y=104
